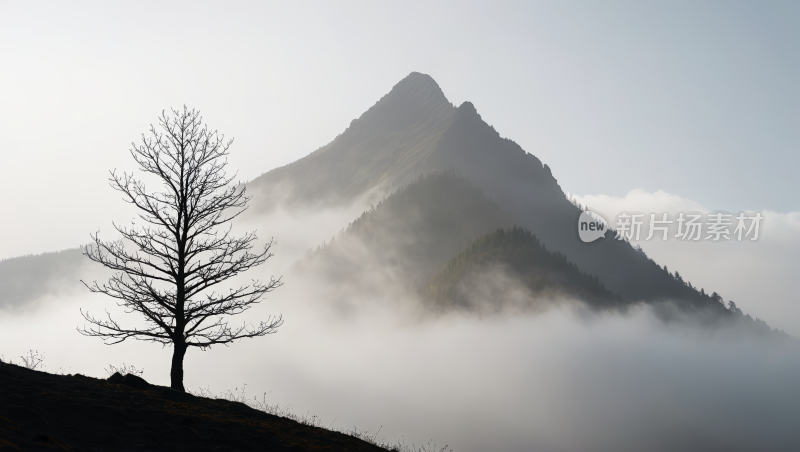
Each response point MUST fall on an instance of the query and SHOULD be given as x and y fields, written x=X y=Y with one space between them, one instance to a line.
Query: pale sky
x=697 y=99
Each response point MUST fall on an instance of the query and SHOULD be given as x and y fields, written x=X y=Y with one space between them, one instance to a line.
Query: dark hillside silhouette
x=41 y=411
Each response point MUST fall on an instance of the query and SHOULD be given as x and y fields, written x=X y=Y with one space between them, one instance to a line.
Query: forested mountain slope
x=410 y=233
x=512 y=267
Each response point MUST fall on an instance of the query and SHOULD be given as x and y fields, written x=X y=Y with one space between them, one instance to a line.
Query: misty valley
x=416 y=284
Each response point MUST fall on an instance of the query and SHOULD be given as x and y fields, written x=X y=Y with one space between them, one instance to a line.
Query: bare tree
x=181 y=253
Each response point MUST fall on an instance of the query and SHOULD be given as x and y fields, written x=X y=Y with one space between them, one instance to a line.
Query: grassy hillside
x=41 y=411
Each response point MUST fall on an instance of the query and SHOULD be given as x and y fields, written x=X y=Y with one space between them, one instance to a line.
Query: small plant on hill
x=123 y=370
x=33 y=360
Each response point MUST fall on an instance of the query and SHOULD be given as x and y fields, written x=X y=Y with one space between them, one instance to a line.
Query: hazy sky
x=698 y=99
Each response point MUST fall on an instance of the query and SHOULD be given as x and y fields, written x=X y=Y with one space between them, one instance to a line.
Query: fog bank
x=559 y=379
x=553 y=381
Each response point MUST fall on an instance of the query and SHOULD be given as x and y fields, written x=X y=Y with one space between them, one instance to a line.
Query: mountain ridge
x=381 y=147
x=413 y=130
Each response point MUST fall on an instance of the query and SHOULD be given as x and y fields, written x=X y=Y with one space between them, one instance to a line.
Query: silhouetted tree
x=181 y=254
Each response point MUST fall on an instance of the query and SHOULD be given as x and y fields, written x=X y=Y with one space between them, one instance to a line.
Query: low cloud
x=559 y=379
x=640 y=201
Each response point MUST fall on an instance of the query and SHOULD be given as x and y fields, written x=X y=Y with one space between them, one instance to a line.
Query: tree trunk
x=176 y=374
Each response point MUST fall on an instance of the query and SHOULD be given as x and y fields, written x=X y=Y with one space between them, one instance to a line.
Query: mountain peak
x=418 y=84
x=416 y=92
x=468 y=107
x=468 y=110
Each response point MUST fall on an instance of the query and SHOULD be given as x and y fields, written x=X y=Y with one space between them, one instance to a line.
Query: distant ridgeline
x=26 y=278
